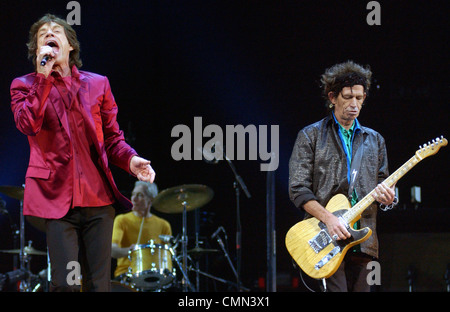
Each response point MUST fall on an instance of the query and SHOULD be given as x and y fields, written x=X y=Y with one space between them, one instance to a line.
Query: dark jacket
x=318 y=170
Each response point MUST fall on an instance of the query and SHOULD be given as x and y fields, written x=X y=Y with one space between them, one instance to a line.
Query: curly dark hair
x=347 y=74
x=74 y=57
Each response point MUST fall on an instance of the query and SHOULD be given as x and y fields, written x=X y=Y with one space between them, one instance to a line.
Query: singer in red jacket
x=70 y=119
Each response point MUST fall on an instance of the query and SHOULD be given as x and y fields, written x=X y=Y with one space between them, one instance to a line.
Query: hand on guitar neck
x=384 y=194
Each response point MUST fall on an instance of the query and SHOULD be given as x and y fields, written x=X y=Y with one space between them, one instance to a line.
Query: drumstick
x=140 y=231
x=142 y=223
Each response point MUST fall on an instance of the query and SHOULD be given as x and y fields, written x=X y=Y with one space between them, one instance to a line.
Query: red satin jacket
x=39 y=113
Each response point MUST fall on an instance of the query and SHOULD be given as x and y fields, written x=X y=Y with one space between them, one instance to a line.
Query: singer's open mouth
x=54 y=45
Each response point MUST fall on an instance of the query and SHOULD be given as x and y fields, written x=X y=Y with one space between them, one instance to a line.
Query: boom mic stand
x=238 y=285
x=240 y=181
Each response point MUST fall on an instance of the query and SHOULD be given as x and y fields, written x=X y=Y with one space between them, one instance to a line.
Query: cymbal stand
x=24 y=285
x=184 y=242
x=197 y=230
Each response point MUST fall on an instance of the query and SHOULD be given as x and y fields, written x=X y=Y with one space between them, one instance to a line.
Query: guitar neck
x=362 y=205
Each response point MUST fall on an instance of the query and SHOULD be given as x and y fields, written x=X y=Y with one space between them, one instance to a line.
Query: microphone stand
x=240 y=181
x=239 y=287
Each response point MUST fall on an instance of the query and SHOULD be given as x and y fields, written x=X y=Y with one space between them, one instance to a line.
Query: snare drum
x=151 y=267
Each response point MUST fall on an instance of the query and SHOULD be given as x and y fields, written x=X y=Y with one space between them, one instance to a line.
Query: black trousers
x=80 y=244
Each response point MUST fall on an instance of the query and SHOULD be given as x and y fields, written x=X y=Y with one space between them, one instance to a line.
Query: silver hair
x=150 y=189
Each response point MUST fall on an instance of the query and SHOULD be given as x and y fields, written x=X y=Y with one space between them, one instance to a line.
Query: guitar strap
x=354 y=168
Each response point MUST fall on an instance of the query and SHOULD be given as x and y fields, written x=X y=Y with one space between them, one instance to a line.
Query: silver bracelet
x=391 y=206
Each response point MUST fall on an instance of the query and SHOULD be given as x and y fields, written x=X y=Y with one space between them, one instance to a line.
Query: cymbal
x=172 y=200
x=198 y=251
x=27 y=250
x=12 y=191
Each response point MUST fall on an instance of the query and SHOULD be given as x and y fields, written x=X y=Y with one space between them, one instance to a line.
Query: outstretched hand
x=142 y=169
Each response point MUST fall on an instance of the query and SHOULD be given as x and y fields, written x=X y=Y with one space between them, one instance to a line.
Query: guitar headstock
x=431 y=148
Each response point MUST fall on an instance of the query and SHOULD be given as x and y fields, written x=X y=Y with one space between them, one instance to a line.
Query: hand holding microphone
x=45 y=60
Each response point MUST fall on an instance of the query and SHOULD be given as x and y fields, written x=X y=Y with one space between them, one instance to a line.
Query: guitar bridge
x=320 y=241
x=327 y=258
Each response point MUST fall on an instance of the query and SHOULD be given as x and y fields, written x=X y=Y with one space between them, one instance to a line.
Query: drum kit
x=152 y=265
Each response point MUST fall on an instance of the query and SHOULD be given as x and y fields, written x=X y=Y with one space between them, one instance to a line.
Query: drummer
x=139 y=223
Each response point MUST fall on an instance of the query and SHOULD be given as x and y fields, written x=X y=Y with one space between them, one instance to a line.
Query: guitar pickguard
x=323 y=238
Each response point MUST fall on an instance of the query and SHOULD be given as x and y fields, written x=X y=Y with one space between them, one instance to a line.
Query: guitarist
x=325 y=161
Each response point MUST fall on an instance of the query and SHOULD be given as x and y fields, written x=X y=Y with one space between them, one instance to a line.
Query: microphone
x=220 y=228
x=209 y=156
x=166 y=238
x=45 y=60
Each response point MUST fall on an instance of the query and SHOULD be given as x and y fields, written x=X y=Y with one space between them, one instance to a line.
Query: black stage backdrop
x=248 y=63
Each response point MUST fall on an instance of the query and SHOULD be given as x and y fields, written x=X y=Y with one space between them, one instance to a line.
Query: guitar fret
x=362 y=205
